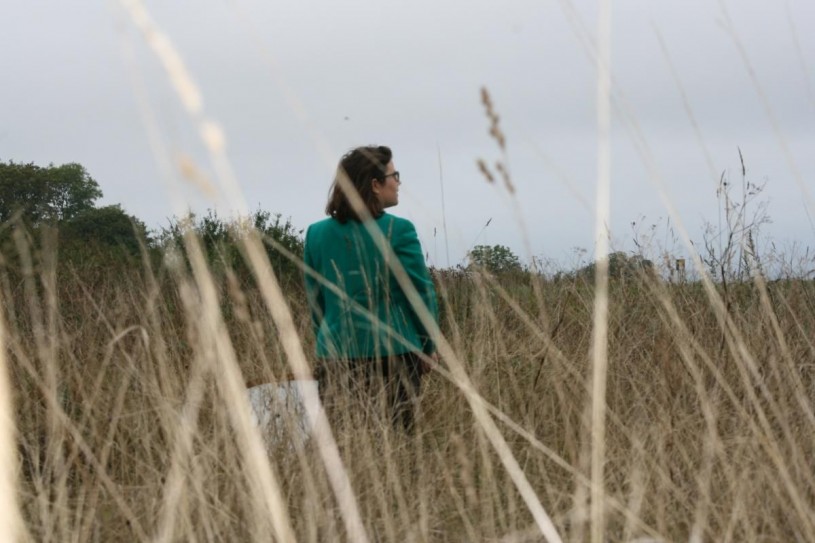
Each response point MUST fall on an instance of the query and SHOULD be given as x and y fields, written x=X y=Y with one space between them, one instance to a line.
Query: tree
x=495 y=259
x=103 y=227
x=45 y=195
x=621 y=266
x=221 y=239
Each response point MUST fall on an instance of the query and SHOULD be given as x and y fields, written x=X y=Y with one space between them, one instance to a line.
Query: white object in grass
x=279 y=411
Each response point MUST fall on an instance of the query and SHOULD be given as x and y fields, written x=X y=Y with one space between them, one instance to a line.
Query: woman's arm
x=314 y=293
x=409 y=251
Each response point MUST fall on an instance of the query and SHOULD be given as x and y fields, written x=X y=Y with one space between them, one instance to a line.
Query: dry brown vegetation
x=126 y=432
x=132 y=423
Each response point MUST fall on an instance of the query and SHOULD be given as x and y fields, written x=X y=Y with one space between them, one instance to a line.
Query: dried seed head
x=495 y=130
x=485 y=99
x=505 y=176
x=498 y=135
x=485 y=171
x=191 y=172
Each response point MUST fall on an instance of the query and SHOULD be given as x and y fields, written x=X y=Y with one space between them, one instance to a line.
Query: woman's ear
x=375 y=184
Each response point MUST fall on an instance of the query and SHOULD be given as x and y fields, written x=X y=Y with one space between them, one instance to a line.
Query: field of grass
x=130 y=426
x=125 y=381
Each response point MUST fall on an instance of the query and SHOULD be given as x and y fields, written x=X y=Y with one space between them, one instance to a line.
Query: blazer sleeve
x=409 y=252
x=314 y=292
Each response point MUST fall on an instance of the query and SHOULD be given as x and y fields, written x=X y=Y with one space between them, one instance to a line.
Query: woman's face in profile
x=387 y=189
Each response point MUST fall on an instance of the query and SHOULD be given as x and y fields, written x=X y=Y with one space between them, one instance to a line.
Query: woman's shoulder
x=328 y=227
x=395 y=223
x=322 y=226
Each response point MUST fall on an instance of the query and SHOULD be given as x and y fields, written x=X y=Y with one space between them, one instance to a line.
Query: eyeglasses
x=395 y=175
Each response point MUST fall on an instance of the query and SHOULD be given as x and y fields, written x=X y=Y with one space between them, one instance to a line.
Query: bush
x=496 y=259
x=108 y=227
x=221 y=239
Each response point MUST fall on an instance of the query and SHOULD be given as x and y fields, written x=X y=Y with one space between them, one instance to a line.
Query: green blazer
x=373 y=317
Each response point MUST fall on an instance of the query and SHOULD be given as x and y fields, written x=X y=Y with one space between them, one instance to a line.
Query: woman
x=368 y=334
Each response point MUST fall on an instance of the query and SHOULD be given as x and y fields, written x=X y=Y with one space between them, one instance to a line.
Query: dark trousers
x=384 y=386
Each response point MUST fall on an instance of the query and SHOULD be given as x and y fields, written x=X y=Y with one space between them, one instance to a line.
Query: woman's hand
x=426 y=366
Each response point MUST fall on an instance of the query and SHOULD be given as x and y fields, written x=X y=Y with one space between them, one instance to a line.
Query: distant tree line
x=62 y=200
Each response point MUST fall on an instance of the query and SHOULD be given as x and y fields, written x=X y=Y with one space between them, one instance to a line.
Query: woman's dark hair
x=361 y=165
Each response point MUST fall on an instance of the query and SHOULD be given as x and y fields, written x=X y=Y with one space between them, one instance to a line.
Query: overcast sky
x=295 y=83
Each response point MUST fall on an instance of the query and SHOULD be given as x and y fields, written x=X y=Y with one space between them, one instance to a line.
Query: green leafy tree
x=45 y=194
x=221 y=239
x=104 y=227
x=495 y=259
x=621 y=266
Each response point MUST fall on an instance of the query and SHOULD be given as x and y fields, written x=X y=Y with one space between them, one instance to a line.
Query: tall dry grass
x=121 y=415
x=694 y=422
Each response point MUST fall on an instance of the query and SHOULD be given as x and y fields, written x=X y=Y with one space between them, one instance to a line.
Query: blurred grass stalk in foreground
x=709 y=410
x=132 y=422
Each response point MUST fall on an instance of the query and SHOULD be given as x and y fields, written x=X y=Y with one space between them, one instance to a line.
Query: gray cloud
x=408 y=74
